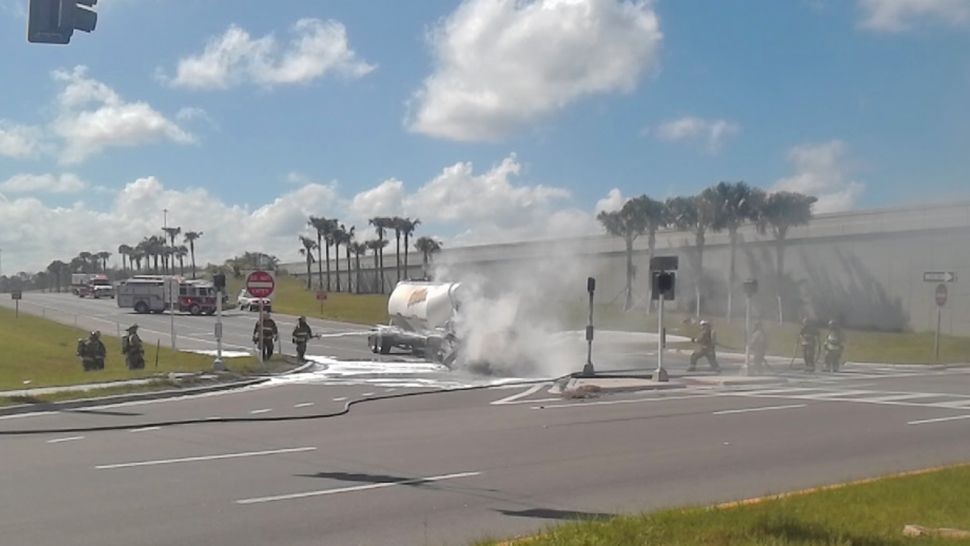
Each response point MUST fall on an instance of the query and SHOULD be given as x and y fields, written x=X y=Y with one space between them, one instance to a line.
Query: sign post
x=260 y=284
x=941 y=295
x=663 y=281
x=321 y=297
x=15 y=295
x=750 y=289
x=219 y=280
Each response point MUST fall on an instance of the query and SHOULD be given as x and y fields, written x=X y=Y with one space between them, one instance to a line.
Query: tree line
x=331 y=233
x=725 y=206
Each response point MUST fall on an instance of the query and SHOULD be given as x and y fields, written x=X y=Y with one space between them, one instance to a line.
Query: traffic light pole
x=661 y=373
x=218 y=364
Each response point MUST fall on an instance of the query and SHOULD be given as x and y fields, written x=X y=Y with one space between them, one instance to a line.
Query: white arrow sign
x=939 y=276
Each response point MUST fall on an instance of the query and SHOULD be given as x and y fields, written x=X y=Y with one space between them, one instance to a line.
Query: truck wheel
x=375 y=344
x=210 y=312
x=141 y=308
x=385 y=346
x=195 y=309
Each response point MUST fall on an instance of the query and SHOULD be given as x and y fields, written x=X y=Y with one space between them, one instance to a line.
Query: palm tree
x=308 y=246
x=734 y=204
x=348 y=238
x=694 y=214
x=324 y=228
x=358 y=249
x=629 y=223
x=137 y=254
x=191 y=237
x=377 y=245
x=395 y=223
x=407 y=225
x=380 y=223
x=104 y=255
x=337 y=238
x=57 y=268
x=653 y=214
x=85 y=260
x=124 y=251
x=427 y=246
x=181 y=252
x=781 y=211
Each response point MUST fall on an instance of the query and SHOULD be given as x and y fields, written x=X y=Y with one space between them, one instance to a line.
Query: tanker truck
x=422 y=316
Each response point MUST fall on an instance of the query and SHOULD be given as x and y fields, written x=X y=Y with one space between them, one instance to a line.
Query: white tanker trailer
x=422 y=318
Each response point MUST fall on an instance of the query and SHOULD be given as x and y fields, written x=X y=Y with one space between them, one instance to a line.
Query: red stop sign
x=941 y=295
x=260 y=284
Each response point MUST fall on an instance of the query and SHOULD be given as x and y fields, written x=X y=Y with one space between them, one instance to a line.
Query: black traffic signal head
x=219 y=280
x=54 y=21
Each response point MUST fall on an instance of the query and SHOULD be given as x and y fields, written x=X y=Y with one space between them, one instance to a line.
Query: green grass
x=39 y=353
x=291 y=297
x=869 y=514
x=861 y=346
x=154 y=385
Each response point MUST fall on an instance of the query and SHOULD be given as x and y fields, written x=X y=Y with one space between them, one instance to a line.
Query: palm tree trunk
x=397 y=254
x=336 y=259
x=192 y=252
x=406 y=238
x=347 y=251
x=319 y=261
x=780 y=273
x=357 y=270
x=182 y=266
x=629 y=272
x=328 y=265
x=380 y=251
x=733 y=236
x=651 y=246
x=700 y=274
x=424 y=263
x=379 y=270
x=309 y=273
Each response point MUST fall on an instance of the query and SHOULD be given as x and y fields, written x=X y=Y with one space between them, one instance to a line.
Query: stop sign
x=941 y=295
x=260 y=284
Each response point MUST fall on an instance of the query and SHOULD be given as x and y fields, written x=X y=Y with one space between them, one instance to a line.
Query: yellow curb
x=800 y=492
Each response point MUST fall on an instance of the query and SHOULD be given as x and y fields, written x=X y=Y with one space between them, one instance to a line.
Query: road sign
x=941 y=295
x=321 y=295
x=663 y=263
x=260 y=284
x=939 y=276
x=16 y=294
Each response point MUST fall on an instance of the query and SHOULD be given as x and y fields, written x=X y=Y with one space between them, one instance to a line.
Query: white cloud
x=901 y=15
x=821 y=170
x=712 y=132
x=43 y=183
x=92 y=117
x=316 y=48
x=502 y=64
x=386 y=199
x=18 y=141
x=613 y=201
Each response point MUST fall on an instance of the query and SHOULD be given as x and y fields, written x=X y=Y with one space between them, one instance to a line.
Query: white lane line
x=68 y=439
x=258 y=411
x=205 y=458
x=144 y=429
x=615 y=402
x=322 y=492
x=303 y=405
x=340 y=399
x=527 y=392
x=939 y=420
x=367 y=394
x=762 y=408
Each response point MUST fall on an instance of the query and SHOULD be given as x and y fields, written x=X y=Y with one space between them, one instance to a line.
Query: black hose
x=345 y=411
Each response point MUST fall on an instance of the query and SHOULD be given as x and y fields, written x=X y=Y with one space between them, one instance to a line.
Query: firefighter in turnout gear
x=808 y=338
x=759 y=347
x=132 y=348
x=91 y=351
x=705 y=342
x=270 y=334
x=301 y=335
x=834 y=344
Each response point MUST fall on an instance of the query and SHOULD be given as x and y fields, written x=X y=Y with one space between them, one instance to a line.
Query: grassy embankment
x=292 y=298
x=37 y=353
x=867 y=514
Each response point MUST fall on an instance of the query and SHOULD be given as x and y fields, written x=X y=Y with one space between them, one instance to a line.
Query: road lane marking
x=528 y=392
x=762 y=408
x=303 y=405
x=340 y=399
x=367 y=394
x=205 y=458
x=258 y=411
x=144 y=429
x=353 y=489
x=939 y=420
x=68 y=439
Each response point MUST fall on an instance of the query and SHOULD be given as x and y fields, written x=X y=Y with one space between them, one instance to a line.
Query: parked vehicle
x=247 y=302
x=154 y=294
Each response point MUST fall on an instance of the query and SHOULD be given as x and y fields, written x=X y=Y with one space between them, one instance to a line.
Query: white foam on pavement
x=225 y=354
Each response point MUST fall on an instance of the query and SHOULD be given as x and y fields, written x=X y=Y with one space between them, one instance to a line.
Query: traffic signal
x=664 y=282
x=54 y=21
x=219 y=280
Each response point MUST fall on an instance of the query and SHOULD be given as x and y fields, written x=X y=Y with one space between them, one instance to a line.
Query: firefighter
x=301 y=335
x=270 y=334
x=834 y=345
x=91 y=351
x=808 y=338
x=705 y=342
x=758 y=345
x=132 y=348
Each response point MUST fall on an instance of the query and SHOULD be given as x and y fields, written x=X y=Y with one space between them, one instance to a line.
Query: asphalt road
x=448 y=467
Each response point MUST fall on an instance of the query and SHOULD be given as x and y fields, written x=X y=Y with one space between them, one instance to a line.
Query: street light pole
x=750 y=289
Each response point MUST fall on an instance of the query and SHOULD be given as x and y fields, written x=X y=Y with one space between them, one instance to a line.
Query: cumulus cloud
x=901 y=15
x=316 y=48
x=43 y=183
x=821 y=170
x=18 y=141
x=712 y=133
x=613 y=201
x=501 y=64
x=92 y=117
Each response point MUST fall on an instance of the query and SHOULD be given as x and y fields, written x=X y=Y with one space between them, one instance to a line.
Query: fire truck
x=155 y=293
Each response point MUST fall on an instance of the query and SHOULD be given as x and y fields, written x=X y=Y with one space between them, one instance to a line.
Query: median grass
x=867 y=514
x=292 y=298
x=37 y=353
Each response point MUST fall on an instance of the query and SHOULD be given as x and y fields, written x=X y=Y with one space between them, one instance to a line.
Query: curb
x=133 y=397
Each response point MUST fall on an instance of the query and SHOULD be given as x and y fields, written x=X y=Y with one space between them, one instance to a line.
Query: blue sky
x=490 y=120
